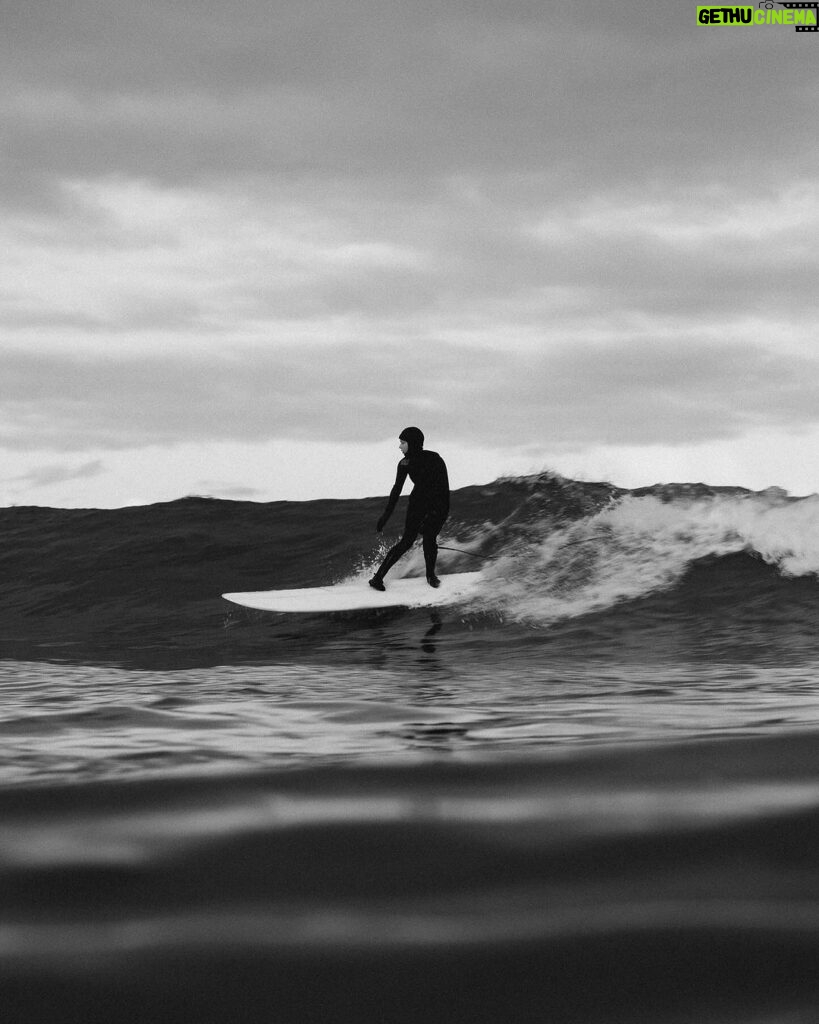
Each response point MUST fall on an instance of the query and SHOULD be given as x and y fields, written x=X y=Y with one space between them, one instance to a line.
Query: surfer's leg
x=432 y=527
x=396 y=551
x=392 y=556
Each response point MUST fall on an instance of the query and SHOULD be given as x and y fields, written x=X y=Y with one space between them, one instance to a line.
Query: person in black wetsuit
x=428 y=504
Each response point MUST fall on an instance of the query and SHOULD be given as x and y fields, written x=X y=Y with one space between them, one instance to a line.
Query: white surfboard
x=348 y=596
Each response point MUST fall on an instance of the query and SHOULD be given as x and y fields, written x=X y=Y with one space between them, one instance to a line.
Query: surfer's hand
x=382 y=522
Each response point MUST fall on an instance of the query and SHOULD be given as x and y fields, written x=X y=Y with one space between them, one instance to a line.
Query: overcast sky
x=246 y=243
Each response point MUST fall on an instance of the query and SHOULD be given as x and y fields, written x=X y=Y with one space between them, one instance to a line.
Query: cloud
x=127 y=260
x=414 y=170
x=628 y=393
x=400 y=94
x=590 y=224
x=46 y=476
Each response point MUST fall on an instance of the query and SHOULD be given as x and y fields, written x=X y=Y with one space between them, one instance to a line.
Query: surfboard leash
x=444 y=547
x=568 y=544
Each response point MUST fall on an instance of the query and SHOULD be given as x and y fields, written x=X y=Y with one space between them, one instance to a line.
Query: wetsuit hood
x=414 y=438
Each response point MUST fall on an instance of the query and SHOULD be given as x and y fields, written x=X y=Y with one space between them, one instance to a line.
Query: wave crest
x=639 y=545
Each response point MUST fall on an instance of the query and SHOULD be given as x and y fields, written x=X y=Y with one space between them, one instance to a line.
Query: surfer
x=428 y=504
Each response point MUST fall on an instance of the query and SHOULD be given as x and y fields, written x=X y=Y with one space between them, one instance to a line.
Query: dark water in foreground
x=590 y=795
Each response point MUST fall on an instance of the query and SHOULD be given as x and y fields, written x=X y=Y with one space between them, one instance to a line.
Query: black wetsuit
x=428 y=507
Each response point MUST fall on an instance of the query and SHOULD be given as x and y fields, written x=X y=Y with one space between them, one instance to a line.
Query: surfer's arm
x=395 y=494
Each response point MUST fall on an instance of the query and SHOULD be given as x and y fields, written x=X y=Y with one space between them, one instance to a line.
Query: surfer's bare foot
x=433 y=581
x=377 y=584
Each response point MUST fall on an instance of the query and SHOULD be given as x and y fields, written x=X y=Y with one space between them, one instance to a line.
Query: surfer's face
x=403 y=446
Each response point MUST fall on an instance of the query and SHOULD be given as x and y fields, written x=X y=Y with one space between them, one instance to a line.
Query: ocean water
x=589 y=794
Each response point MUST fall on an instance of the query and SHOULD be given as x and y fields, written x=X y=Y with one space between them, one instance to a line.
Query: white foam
x=643 y=545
